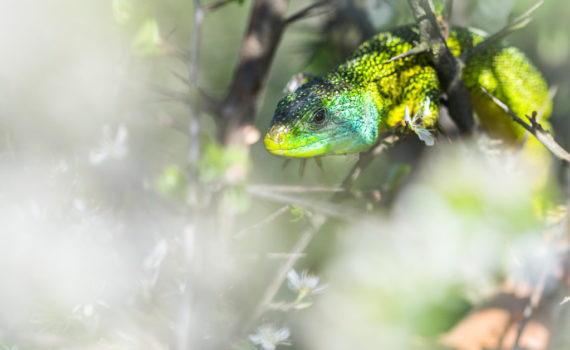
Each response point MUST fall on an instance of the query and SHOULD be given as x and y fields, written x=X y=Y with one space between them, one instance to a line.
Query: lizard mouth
x=277 y=143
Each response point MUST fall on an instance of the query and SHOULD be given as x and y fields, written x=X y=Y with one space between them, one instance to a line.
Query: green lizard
x=344 y=111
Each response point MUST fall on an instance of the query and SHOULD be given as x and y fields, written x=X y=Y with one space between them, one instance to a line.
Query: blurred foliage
x=172 y=181
x=217 y=160
x=95 y=255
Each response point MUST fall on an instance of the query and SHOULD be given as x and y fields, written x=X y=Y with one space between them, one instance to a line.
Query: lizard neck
x=353 y=111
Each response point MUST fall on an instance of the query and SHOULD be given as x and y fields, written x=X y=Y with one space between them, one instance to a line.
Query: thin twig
x=516 y=24
x=533 y=302
x=274 y=256
x=171 y=95
x=215 y=5
x=180 y=77
x=296 y=189
x=285 y=255
x=302 y=243
x=186 y=332
x=363 y=161
x=546 y=272
x=326 y=208
x=263 y=222
x=283 y=306
x=422 y=47
x=305 y=12
x=193 y=63
x=534 y=128
x=307 y=236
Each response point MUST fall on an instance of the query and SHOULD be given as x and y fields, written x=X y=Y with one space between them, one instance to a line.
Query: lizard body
x=344 y=111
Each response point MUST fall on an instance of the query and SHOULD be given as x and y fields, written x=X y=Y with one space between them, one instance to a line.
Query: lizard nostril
x=276 y=134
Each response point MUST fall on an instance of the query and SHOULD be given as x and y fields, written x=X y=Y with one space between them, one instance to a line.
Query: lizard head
x=321 y=118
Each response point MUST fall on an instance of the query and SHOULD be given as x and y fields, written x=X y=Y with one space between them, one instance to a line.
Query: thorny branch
x=235 y=113
x=447 y=66
x=512 y=26
x=194 y=125
x=534 y=128
x=307 y=236
x=327 y=208
x=364 y=161
x=240 y=104
x=186 y=330
x=302 y=243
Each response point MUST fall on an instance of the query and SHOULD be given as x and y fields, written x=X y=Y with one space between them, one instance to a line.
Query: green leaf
x=123 y=11
x=217 y=160
x=147 y=40
x=237 y=198
x=297 y=212
x=301 y=306
x=171 y=182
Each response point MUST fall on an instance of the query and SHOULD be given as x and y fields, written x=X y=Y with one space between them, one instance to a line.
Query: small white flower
x=415 y=122
x=268 y=336
x=304 y=284
x=112 y=146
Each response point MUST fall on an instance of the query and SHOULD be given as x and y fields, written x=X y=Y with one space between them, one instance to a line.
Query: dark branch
x=447 y=66
x=239 y=107
x=305 y=12
x=171 y=95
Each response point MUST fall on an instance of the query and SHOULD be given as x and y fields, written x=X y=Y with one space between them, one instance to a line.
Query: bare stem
x=262 y=223
x=326 y=208
x=534 y=128
x=193 y=64
x=216 y=5
x=297 y=189
x=302 y=243
x=186 y=332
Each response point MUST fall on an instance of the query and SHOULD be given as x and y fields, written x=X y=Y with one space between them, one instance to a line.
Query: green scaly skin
x=345 y=111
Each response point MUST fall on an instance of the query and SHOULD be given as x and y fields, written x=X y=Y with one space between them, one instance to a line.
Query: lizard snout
x=274 y=139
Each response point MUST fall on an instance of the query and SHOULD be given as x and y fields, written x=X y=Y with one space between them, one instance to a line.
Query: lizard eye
x=319 y=117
